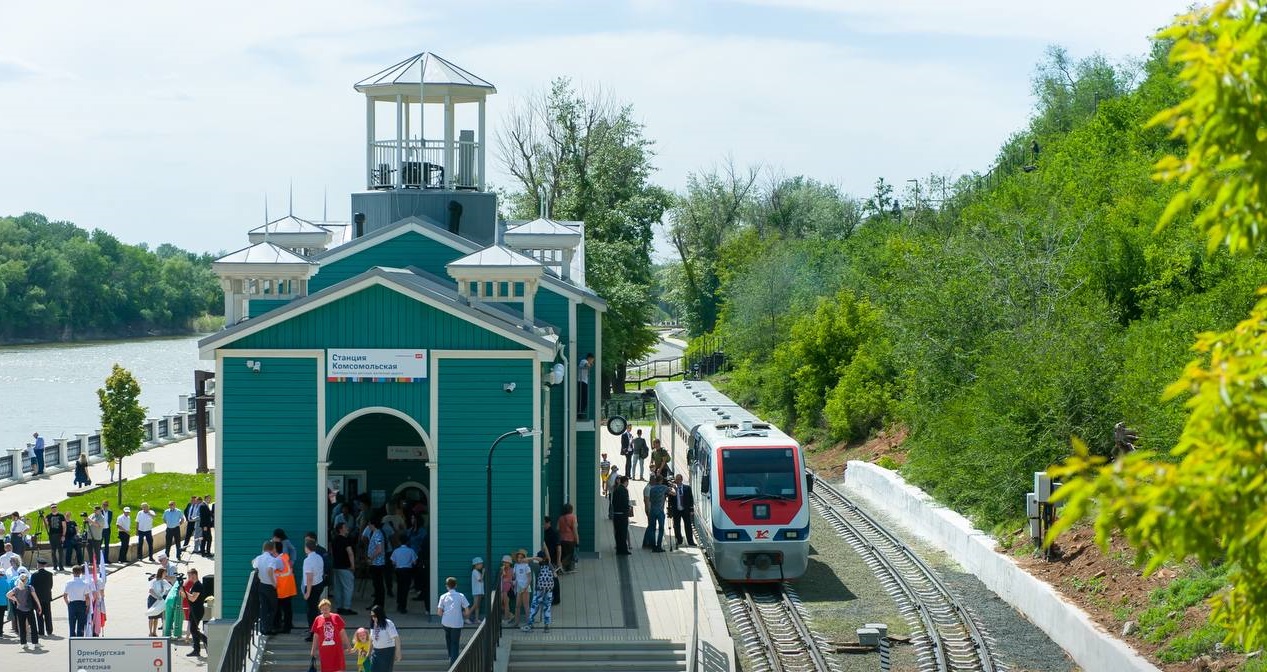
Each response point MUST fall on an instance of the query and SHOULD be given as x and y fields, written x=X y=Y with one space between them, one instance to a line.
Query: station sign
x=376 y=366
x=120 y=654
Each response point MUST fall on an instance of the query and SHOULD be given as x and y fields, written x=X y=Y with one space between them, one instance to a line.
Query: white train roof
x=694 y=403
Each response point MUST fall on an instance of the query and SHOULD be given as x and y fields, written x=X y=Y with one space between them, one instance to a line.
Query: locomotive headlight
x=792 y=534
x=732 y=536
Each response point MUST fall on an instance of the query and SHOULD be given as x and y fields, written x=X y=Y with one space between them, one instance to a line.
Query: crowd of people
x=667 y=496
x=83 y=549
x=389 y=549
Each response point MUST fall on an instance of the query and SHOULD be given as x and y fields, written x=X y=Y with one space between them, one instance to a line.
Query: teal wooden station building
x=384 y=357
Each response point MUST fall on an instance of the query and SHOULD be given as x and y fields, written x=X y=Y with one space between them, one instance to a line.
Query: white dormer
x=261 y=271
x=298 y=235
x=550 y=242
x=498 y=274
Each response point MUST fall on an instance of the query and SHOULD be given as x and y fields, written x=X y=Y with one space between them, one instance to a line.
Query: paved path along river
x=126 y=585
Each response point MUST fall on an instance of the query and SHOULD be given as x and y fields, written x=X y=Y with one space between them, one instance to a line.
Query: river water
x=52 y=389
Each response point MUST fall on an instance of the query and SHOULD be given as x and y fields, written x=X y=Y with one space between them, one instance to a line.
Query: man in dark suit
x=620 y=515
x=626 y=449
x=42 y=582
x=206 y=520
x=682 y=509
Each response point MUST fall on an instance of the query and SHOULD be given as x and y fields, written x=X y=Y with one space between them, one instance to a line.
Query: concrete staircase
x=423 y=653
x=543 y=655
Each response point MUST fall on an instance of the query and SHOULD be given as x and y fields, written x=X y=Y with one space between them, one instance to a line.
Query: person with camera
x=192 y=593
x=96 y=525
x=74 y=541
x=55 y=524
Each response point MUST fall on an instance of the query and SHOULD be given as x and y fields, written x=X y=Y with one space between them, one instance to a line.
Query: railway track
x=773 y=630
x=948 y=638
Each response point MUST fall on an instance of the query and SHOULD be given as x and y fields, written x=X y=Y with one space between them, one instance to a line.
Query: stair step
x=608 y=666
x=596 y=653
x=609 y=645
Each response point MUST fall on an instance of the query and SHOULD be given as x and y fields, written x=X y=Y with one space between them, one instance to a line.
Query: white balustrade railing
x=61 y=453
x=423 y=164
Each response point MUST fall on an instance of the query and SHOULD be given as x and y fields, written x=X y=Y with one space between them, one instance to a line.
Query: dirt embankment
x=1107 y=585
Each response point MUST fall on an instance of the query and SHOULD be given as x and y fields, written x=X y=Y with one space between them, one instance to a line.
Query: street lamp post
x=488 y=545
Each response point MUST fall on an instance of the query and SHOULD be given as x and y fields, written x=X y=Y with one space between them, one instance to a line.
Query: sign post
x=120 y=654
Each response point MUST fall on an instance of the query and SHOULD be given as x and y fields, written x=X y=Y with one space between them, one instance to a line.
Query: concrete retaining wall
x=1067 y=625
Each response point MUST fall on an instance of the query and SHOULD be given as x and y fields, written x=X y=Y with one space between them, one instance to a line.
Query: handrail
x=692 y=651
x=481 y=649
x=237 y=647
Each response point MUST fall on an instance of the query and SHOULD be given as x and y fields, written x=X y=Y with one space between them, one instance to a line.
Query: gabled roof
x=422 y=225
x=289 y=224
x=495 y=257
x=414 y=285
x=262 y=253
x=430 y=229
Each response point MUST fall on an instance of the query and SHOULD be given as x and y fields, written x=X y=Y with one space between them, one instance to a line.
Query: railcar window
x=759 y=473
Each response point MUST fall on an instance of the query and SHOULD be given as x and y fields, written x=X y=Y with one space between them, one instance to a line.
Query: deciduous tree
x=122 y=418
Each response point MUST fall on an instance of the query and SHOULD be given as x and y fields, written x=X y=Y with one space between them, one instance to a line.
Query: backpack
x=643 y=450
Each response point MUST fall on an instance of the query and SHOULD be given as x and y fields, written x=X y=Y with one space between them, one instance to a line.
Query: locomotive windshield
x=759 y=473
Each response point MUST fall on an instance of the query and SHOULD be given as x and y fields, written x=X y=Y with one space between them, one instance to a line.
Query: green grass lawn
x=157 y=489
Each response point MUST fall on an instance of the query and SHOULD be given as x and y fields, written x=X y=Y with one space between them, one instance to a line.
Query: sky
x=174 y=122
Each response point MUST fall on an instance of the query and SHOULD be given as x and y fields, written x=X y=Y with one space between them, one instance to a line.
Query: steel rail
x=952 y=634
x=772 y=627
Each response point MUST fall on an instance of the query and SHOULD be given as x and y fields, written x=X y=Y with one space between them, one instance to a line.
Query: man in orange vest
x=285 y=589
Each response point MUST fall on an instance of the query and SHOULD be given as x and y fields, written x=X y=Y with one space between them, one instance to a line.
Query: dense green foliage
x=589 y=157
x=1025 y=307
x=60 y=282
x=1206 y=497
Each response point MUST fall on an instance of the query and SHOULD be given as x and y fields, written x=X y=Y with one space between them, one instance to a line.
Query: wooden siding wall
x=587 y=443
x=407 y=249
x=376 y=317
x=269 y=450
x=412 y=399
x=257 y=307
x=472 y=412
x=554 y=308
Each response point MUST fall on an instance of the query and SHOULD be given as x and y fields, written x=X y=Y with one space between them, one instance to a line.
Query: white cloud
x=169 y=122
x=1116 y=27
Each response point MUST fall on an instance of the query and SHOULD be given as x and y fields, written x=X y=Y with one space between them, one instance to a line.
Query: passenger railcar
x=752 y=512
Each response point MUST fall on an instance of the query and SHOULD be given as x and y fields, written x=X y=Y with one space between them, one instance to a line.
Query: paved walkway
x=126 y=585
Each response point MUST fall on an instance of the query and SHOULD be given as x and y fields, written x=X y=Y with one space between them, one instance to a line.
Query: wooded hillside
x=996 y=315
x=60 y=282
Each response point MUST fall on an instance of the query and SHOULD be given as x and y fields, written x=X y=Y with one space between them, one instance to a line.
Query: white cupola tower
x=296 y=234
x=264 y=271
x=548 y=241
x=399 y=154
x=498 y=274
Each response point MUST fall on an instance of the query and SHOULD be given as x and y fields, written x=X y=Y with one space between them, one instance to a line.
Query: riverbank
x=96 y=338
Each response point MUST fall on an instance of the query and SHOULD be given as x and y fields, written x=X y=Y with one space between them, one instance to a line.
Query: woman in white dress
x=155 y=599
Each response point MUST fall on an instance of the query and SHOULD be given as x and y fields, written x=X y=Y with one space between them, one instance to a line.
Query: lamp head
x=524 y=431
